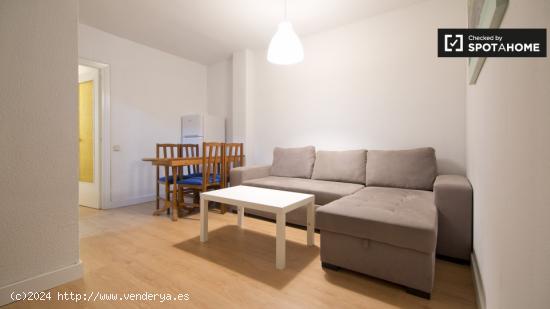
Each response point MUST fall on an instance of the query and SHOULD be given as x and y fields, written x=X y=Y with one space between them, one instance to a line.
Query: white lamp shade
x=285 y=46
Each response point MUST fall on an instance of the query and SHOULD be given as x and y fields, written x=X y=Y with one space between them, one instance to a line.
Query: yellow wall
x=86 y=126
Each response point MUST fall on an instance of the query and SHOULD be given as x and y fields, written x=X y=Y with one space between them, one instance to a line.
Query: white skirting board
x=132 y=201
x=41 y=282
x=478 y=283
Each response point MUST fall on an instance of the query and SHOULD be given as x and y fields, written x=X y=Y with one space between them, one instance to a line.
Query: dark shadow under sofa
x=384 y=213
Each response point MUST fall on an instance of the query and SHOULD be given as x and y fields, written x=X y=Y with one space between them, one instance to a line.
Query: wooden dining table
x=173 y=164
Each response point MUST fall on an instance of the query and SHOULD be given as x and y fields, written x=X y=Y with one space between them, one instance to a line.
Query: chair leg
x=180 y=197
x=180 y=202
x=158 y=196
x=167 y=195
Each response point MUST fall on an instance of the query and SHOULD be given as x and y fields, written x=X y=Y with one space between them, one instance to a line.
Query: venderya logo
x=491 y=42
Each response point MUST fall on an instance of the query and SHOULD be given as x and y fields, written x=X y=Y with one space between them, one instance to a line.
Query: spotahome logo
x=454 y=42
x=491 y=42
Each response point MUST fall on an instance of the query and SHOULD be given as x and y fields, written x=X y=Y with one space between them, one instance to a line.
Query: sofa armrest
x=453 y=196
x=240 y=174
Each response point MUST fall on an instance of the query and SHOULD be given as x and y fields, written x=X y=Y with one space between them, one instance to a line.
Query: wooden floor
x=127 y=250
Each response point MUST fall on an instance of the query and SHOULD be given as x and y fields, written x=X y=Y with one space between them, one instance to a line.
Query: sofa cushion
x=409 y=169
x=324 y=191
x=345 y=166
x=399 y=217
x=293 y=162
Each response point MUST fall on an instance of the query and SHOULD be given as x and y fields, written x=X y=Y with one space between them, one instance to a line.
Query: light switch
x=116 y=147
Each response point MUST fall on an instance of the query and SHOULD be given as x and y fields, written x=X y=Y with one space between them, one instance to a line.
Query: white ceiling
x=207 y=31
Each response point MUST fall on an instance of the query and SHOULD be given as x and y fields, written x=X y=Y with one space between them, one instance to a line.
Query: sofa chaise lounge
x=381 y=213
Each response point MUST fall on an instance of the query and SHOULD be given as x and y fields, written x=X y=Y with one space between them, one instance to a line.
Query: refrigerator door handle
x=192 y=136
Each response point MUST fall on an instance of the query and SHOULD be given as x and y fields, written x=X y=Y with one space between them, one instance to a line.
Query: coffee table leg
x=280 y=248
x=311 y=225
x=204 y=219
x=240 y=215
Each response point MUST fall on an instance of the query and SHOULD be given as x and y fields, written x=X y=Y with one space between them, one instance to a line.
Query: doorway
x=88 y=144
x=93 y=125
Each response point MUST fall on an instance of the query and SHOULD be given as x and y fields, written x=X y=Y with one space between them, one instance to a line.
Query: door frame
x=104 y=130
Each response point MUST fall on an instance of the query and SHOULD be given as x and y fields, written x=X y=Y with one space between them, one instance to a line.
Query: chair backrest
x=233 y=157
x=212 y=155
x=167 y=151
x=190 y=151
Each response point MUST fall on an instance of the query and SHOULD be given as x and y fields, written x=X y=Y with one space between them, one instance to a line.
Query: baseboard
x=478 y=283
x=132 y=201
x=41 y=282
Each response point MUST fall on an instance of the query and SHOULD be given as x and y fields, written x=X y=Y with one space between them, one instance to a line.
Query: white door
x=88 y=79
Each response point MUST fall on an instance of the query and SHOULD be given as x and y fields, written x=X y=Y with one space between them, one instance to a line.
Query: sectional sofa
x=382 y=213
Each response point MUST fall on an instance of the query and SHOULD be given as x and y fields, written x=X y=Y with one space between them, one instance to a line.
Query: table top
x=172 y=159
x=181 y=161
x=268 y=199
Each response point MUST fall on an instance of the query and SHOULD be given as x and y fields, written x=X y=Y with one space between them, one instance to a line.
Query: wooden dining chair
x=211 y=170
x=233 y=157
x=166 y=151
x=189 y=151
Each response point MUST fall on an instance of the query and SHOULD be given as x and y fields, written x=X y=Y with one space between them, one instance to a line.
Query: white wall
x=220 y=92
x=375 y=84
x=243 y=85
x=39 y=134
x=150 y=90
x=508 y=163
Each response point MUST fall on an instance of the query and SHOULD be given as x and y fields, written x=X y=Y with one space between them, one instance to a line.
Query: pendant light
x=285 y=46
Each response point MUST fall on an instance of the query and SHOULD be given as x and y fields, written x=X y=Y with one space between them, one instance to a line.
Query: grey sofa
x=382 y=213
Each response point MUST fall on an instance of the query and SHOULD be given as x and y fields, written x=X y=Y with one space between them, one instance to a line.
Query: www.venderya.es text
x=99 y=296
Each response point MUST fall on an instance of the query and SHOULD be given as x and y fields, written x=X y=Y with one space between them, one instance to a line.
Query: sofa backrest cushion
x=293 y=162
x=344 y=166
x=409 y=169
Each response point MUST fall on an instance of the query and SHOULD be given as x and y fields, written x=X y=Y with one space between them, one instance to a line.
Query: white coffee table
x=274 y=201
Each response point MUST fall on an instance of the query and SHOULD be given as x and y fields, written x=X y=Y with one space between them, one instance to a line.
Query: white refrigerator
x=199 y=128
